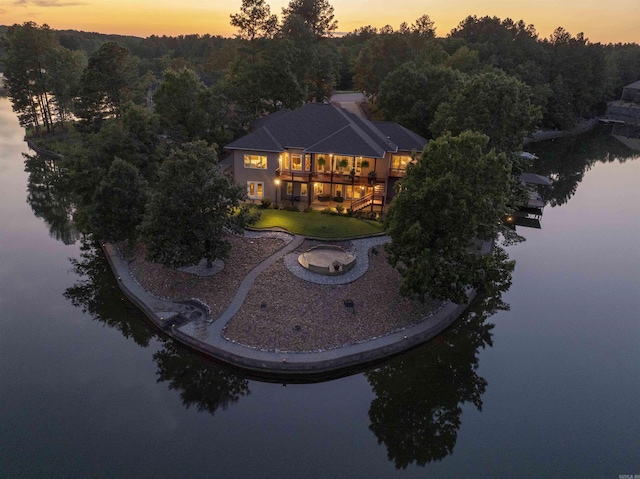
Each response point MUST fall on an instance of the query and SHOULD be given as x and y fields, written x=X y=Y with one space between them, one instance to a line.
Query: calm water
x=549 y=388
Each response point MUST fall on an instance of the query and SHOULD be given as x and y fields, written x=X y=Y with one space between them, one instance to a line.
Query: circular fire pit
x=327 y=260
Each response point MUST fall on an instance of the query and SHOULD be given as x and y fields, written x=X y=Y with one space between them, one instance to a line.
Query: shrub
x=266 y=202
x=308 y=209
x=350 y=212
x=340 y=209
x=328 y=211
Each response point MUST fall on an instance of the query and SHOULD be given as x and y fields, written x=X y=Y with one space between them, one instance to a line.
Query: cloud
x=49 y=3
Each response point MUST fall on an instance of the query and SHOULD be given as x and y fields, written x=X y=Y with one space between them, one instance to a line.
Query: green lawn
x=317 y=224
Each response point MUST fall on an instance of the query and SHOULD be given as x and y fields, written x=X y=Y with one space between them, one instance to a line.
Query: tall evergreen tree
x=28 y=50
x=317 y=15
x=108 y=83
x=255 y=20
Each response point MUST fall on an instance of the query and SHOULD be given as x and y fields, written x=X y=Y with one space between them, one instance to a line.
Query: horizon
x=611 y=23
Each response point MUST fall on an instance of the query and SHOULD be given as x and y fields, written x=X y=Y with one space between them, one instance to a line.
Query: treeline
x=407 y=72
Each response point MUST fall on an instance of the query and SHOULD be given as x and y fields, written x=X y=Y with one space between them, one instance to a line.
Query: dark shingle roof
x=325 y=128
x=403 y=137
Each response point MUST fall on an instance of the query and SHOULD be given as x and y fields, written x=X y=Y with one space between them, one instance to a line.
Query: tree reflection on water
x=47 y=197
x=419 y=395
x=566 y=160
x=201 y=383
x=97 y=293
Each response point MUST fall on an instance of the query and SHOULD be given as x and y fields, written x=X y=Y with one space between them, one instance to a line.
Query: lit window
x=296 y=162
x=400 y=162
x=307 y=162
x=255 y=161
x=255 y=189
x=303 y=189
x=289 y=188
x=343 y=163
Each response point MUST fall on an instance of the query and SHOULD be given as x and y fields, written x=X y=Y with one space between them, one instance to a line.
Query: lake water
x=550 y=388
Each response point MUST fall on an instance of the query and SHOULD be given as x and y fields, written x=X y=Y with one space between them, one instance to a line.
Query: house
x=631 y=92
x=322 y=155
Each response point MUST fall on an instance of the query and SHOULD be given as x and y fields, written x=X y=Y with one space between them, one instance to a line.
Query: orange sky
x=615 y=21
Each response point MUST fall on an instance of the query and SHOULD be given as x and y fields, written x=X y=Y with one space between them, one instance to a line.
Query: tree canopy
x=491 y=103
x=108 y=83
x=255 y=20
x=317 y=15
x=450 y=201
x=192 y=204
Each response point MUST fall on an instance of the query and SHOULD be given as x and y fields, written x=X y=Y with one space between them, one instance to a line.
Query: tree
x=491 y=103
x=192 y=205
x=63 y=79
x=380 y=55
x=118 y=204
x=255 y=20
x=108 y=83
x=27 y=53
x=317 y=15
x=178 y=104
x=449 y=201
x=424 y=26
x=411 y=96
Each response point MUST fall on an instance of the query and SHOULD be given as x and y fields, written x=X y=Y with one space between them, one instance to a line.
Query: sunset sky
x=614 y=21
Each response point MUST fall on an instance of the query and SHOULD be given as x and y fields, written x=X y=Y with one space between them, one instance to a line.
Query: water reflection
x=204 y=385
x=47 y=197
x=419 y=396
x=566 y=160
x=98 y=295
x=628 y=134
x=201 y=383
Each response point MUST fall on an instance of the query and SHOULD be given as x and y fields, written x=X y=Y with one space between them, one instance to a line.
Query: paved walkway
x=172 y=316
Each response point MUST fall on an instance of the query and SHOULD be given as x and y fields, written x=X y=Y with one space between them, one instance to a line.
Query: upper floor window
x=255 y=161
x=296 y=162
x=400 y=162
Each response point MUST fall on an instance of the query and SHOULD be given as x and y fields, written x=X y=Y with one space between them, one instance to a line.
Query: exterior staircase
x=375 y=198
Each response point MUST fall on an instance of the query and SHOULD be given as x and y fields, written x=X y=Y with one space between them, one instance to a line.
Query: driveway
x=349 y=101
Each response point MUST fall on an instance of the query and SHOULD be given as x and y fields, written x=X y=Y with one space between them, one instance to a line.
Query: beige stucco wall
x=267 y=176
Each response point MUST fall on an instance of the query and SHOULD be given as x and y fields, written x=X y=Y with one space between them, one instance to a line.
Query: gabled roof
x=262 y=121
x=405 y=139
x=326 y=128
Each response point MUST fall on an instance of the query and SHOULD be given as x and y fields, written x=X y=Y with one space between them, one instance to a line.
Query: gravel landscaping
x=284 y=312
x=288 y=308
x=216 y=290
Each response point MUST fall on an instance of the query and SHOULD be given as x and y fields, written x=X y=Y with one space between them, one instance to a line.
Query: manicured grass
x=317 y=224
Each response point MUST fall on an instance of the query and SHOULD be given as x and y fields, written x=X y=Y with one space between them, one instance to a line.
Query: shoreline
x=189 y=323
